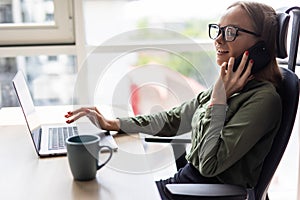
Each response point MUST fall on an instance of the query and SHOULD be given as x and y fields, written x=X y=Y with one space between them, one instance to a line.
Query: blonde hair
x=264 y=22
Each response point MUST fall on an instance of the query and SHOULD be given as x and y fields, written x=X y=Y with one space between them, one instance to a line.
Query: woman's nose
x=220 y=39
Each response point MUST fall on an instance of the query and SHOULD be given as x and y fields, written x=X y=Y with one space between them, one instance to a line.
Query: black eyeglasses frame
x=222 y=30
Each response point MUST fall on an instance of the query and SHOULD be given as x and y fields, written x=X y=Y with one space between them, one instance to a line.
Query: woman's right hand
x=230 y=82
x=95 y=117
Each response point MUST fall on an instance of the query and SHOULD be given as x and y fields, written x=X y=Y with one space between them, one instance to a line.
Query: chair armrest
x=180 y=139
x=167 y=140
x=206 y=191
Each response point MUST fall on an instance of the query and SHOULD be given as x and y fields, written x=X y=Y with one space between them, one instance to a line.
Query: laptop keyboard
x=58 y=136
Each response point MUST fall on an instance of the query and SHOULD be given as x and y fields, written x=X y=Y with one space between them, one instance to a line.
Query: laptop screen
x=27 y=106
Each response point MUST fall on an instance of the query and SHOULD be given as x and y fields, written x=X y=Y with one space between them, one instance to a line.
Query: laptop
x=49 y=139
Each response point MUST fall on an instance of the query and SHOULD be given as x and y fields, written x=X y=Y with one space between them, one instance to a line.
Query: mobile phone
x=259 y=54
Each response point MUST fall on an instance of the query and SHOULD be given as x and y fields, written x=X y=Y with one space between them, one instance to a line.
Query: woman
x=233 y=123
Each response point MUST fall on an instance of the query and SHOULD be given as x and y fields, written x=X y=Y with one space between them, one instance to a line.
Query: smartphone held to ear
x=259 y=54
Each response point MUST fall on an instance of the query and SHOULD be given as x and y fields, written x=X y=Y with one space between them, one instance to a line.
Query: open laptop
x=49 y=139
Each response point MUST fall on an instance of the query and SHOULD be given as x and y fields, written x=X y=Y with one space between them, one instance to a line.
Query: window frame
x=61 y=32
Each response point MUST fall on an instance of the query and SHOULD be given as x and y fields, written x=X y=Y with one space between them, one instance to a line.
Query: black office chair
x=289 y=93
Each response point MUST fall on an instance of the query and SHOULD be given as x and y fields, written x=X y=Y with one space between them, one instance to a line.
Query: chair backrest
x=289 y=93
x=294 y=37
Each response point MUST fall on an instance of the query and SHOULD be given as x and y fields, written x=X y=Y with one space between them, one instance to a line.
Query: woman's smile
x=222 y=52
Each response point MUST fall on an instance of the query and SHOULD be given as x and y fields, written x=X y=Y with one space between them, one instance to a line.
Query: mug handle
x=110 y=155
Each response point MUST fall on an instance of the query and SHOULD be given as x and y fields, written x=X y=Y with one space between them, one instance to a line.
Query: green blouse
x=230 y=141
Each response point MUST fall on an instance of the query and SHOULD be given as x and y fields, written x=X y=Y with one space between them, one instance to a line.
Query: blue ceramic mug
x=83 y=156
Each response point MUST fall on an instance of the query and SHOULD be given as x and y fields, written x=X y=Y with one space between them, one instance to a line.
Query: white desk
x=23 y=175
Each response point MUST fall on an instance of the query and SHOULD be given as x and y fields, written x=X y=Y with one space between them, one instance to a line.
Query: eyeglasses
x=229 y=33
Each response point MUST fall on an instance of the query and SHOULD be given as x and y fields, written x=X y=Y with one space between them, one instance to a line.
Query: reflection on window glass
x=168 y=89
x=149 y=78
x=50 y=79
x=26 y=11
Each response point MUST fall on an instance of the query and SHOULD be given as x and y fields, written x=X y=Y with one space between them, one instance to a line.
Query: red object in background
x=134 y=98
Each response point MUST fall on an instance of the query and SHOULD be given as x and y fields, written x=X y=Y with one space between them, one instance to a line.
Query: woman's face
x=237 y=17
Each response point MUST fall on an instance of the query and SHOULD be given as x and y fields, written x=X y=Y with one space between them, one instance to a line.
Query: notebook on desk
x=49 y=139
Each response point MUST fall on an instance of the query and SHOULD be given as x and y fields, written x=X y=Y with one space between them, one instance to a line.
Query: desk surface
x=23 y=175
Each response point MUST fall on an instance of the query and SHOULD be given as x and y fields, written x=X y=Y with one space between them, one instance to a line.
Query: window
x=29 y=22
x=50 y=79
x=143 y=33
x=37 y=37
